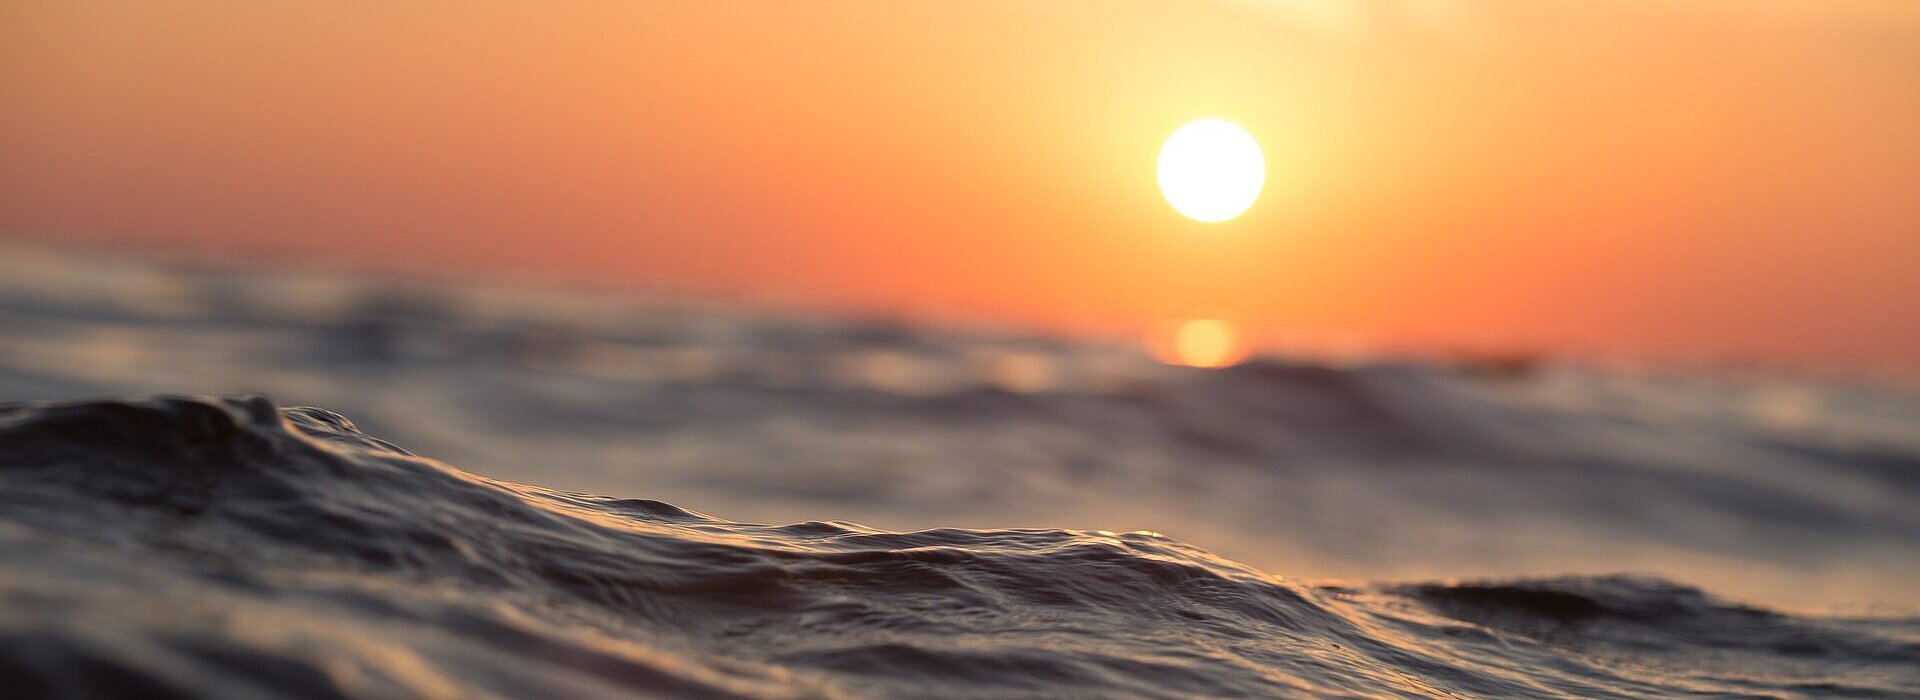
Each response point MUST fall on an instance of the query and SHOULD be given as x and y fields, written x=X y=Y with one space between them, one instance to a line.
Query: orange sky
x=1713 y=178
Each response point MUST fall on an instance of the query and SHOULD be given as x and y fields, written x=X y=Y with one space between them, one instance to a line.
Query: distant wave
x=222 y=547
x=1800 y=492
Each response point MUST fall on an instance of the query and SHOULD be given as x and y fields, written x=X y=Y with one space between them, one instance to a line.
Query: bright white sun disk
x=1211 y=170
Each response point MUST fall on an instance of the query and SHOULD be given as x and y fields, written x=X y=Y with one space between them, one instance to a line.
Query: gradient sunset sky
x=1698 y=179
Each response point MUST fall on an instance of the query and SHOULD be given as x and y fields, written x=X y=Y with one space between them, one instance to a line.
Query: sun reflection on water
x=1201 y=342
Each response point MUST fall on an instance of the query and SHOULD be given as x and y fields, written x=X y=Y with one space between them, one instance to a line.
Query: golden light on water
x=1201 y=342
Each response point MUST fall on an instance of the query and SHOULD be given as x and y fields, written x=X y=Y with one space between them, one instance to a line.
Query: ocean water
x=949 y=511
x=200 y=547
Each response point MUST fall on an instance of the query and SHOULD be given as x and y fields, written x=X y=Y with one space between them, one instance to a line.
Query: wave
x=224 y=547
x=1796 y=491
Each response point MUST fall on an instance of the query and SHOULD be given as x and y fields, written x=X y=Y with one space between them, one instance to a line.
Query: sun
x=1211 y=170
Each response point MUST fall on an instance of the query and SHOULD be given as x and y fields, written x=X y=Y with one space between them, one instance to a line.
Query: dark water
x=178 y=547
x=1797 y=492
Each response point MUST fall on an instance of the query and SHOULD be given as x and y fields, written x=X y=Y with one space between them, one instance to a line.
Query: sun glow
x=1211 y=170
x=1201 y=342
